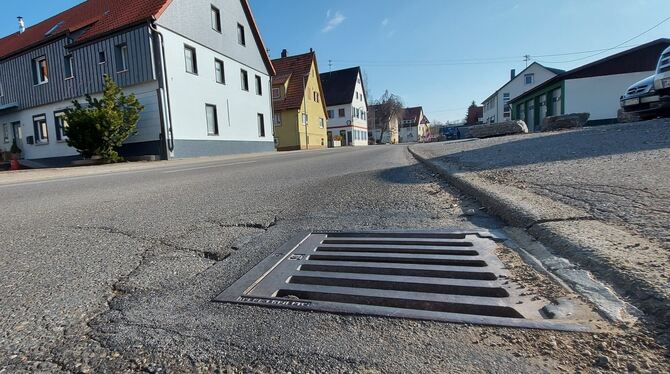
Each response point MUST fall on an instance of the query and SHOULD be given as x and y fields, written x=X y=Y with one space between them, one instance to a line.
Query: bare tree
x=386 y=108
x=366 y=86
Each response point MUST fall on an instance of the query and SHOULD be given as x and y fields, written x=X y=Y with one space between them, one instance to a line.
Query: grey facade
x=17 y=71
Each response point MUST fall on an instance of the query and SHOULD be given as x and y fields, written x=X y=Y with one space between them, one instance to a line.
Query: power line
x=615 y=47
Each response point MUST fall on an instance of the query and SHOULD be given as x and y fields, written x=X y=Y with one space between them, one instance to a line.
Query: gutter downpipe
x=164 y=92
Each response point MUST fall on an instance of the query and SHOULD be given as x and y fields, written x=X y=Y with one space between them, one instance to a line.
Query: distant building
x=594 y=88
x=381 y=130
x=299 y=107
x=347 y=106
x=409 y=125
x=496 y=106
x=475 y=114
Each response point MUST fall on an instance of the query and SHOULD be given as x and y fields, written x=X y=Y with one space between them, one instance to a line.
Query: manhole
x=445 y=276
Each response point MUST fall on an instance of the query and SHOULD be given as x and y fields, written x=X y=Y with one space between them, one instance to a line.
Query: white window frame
x=532 y=78
x=60 y=125
x=259 y=85
x=68 y=63
x=216 y=120
x=219 y=71
x=42 y=134
x=322 y=123
x=244 y=80
x=122 y=50
x=102 y=57
x=241 y=35
x=260 y=118
x=215 y=15
x=41 y=78
x=193 y=69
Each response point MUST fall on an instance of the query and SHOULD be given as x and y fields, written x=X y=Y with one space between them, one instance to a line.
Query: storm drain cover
x=445 y=276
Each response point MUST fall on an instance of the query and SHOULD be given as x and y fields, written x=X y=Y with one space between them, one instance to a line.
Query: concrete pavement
x=597 y=195
x=116 y=272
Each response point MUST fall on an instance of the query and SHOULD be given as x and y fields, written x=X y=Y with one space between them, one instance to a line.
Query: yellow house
x=299 y=108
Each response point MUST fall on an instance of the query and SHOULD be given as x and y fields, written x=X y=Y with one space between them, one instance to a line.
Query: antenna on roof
x=22 y=25
x=526 y=58
x=330 y=65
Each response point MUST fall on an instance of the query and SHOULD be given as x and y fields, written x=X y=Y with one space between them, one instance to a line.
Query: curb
x=575 y=235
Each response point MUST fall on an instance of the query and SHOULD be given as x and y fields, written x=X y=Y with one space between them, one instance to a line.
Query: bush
x=101 y=126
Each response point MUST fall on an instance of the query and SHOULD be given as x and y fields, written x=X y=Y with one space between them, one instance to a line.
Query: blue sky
x=440 y=54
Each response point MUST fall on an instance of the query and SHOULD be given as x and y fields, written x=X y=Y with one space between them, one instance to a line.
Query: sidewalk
x=597 y=196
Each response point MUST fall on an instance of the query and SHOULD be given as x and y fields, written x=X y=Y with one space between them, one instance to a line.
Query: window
x=276 y=119
x=261 y=125
x=529 y=78
x=219 y=72
x=41 y=129
x=121 y=56
x=40 y=70
x=276 y=93
x=241 y=39
x=331 y=114
x=68 y=67
x=212 y=120
x=340 y=113
x=316 y=96
x=191 y=60
x=61 y=125
x=305 y=119
x=5 y=133
x=321 y=123
x=259 y=86
x=244 y=78
x=216 y=19
x=101 y=57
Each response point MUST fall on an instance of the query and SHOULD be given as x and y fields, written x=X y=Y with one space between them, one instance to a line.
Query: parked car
x=662 y=77
x=644 y=100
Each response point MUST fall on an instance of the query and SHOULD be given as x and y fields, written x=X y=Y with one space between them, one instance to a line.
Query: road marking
x=208 y=167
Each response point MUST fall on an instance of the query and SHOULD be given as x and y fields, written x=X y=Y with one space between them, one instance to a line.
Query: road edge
x=554 y=225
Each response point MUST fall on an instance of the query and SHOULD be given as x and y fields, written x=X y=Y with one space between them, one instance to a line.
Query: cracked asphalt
x=115 y=272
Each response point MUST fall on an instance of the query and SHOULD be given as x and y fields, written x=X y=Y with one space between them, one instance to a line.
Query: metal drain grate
x=446 y=276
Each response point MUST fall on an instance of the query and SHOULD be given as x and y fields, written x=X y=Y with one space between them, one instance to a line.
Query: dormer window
x=276 y=93
x=40 y=70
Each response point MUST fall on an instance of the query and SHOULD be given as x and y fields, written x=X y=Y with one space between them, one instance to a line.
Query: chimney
x=311 y=50
x=22 y=25
x=512 y=74
x=284 y=53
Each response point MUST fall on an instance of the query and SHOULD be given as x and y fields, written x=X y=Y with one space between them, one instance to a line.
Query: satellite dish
x=348 y=122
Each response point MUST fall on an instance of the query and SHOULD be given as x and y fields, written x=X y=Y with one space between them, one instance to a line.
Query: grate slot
x=395 y=249
x=435 y=235
x=397 y=299
x=398 y=259
x=396 y=283
x=398 y=241
x=402 y=270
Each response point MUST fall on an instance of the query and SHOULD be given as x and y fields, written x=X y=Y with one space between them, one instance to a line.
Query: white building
x=347 y=106
x=594 y=88
x=496 y=106
x=205 y=85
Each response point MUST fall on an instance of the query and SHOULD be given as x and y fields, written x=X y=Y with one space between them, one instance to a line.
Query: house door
x=530 y=114
x=17 y=136
x=343 y=135
x=330 y=139
x=349 y=139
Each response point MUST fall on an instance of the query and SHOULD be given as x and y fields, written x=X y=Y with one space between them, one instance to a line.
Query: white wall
x=237 y=109
x=599 y=96
x=408 y=134
x=490 y=108
x=516 y=87
x=148 y=126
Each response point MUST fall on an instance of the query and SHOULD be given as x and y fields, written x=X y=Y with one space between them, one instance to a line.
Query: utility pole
x=526 y=58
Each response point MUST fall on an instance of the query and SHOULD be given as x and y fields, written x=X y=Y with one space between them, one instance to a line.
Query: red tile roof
x=95 y=18
x=412 y=114
x=296 y=67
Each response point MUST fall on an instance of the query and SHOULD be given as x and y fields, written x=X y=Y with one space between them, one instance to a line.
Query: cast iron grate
x=446 y=276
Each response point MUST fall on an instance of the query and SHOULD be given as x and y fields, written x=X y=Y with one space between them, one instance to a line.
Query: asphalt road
x=618 y=173
x=116 y=272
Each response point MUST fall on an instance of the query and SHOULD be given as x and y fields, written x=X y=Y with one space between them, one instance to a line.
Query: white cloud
x=334 y=20
x=385 y=22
